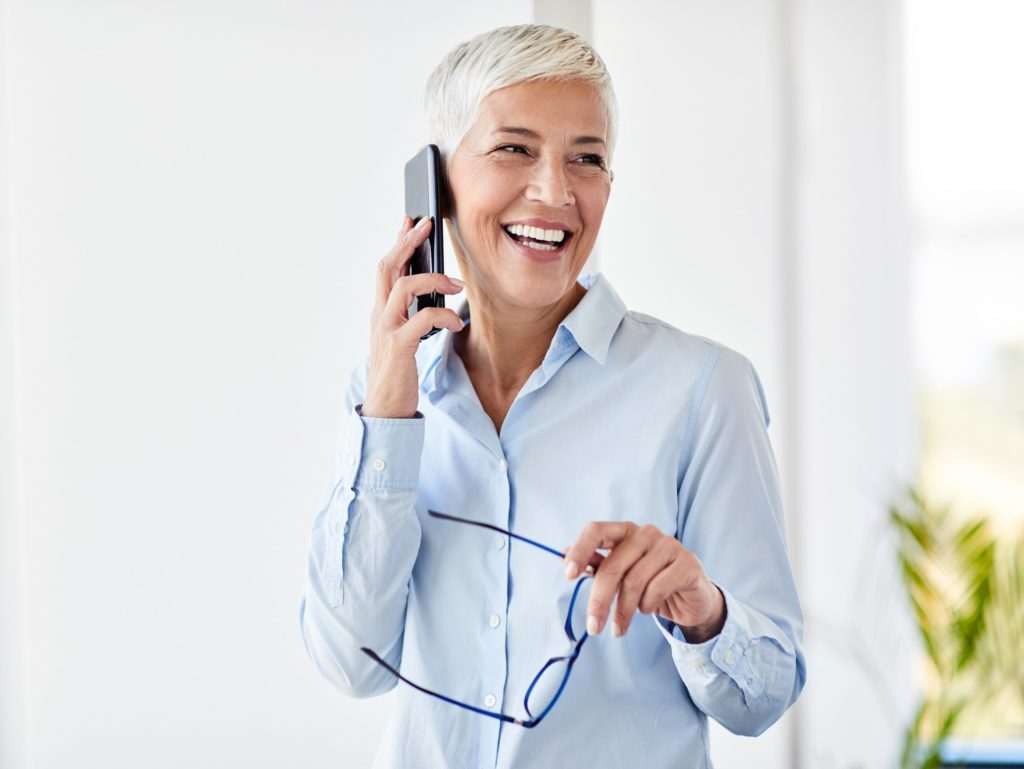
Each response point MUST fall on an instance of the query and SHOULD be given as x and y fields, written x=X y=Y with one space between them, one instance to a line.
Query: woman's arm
x=366 y=538
x=731 y=517
x=364 y=544
x=720 y=588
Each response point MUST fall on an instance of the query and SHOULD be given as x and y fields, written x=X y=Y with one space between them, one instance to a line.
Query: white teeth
x=525 y=230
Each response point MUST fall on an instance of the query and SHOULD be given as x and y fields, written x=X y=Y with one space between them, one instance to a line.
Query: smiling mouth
x=536 y=238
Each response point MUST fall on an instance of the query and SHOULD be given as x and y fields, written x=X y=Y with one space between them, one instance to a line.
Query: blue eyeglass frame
x=571 y=658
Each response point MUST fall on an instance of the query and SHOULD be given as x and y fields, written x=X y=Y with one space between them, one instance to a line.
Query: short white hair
x=504 y=57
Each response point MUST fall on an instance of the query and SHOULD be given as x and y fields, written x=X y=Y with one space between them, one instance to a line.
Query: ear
x=611 y=176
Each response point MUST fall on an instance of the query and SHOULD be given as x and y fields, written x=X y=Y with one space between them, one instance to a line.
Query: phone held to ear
x=423 y=185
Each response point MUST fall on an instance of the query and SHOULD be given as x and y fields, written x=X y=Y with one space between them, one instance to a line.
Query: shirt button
x=503 y=465
x=728 y=656
x=495 y=620
x=379 y=464
x=499 y=542
x=490 y=701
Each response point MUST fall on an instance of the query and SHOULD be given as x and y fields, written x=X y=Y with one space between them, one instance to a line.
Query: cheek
x=493 y=187
x=482 y=186
x=593 y=211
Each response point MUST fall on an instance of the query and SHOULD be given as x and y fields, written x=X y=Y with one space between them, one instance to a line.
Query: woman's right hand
x=392 y=388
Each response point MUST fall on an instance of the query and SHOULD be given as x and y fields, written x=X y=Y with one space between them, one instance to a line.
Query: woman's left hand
x=649 y=571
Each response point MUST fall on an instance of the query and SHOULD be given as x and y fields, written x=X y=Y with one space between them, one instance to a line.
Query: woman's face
x=529 y=185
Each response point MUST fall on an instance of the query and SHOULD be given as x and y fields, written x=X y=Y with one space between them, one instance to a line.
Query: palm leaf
x=967 y=598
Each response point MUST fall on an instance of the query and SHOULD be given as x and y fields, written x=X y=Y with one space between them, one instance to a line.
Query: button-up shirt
x=626 y=418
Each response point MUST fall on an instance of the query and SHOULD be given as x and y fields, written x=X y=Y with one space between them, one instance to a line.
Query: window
x=965 y=136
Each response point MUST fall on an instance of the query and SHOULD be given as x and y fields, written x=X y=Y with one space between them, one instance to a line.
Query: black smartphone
x=423 y=190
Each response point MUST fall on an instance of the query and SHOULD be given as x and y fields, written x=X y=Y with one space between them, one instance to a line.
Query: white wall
x=855 y=412
x=199 y=196
x=13 y=721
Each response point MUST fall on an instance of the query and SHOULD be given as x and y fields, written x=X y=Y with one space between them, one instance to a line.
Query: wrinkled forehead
x=557 y=111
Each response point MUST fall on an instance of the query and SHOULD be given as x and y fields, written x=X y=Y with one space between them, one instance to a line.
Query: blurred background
x=193 y=199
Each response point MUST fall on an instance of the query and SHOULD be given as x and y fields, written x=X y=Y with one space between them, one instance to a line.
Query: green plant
x=967 y=599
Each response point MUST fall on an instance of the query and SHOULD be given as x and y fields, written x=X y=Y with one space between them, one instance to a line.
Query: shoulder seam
x=691 y=421
x=698 y=398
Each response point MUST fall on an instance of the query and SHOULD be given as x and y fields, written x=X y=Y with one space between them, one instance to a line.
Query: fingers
x=659 y=589
x=393 y=265
x=409 y=287
x=612 y=577
x=683 y=593
x=595 y=561
x=597 y=534
x=636 y=583
x=644 y=568
x=425 y=320
x=392 y=381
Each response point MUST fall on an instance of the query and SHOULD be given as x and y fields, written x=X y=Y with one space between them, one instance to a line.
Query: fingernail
x=422 y=222
x=456 y=281
x=571 y=568
x=593 y=626
x=616 y=630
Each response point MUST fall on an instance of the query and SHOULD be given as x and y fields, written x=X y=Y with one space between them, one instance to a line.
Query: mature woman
x=546 y=414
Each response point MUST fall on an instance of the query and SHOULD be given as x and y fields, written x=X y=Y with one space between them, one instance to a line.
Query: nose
x=551 y=184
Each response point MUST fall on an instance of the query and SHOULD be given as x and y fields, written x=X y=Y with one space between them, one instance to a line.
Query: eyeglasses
x=548 y=684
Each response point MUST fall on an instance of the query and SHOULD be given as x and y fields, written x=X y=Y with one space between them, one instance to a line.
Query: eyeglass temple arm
x=498 y=529
x=500 y=716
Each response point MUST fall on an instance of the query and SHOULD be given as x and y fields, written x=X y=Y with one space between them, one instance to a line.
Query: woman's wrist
x=375 y=411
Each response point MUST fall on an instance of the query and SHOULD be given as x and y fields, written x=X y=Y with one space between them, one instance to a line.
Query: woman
x=547 y=413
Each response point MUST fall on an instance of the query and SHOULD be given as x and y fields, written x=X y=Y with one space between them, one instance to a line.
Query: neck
x=504 y=345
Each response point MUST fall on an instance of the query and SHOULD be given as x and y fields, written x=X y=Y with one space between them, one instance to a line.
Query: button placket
x=496 y=643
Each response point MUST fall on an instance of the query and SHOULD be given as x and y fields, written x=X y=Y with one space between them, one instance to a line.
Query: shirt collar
x=594 y=321
x=590 y=326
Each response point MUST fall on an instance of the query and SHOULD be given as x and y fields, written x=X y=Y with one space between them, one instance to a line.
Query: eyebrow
x=534 y=135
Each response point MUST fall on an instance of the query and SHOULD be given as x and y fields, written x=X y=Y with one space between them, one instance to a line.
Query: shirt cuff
x=378 y=455
x=726 y=653
x=382 y=453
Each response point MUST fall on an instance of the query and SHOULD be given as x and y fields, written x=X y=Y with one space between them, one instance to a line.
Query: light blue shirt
x=627 y=418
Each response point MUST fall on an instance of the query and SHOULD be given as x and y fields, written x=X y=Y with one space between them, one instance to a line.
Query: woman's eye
x=595 y=160
x=513 y=148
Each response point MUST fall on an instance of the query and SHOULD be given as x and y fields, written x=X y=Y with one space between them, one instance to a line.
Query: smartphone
x=423 y=190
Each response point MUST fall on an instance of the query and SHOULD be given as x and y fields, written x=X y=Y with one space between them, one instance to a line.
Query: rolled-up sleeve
x=363 y=547
x=731 y=517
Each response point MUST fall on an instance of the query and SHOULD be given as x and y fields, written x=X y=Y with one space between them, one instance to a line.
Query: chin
x=538 y=288
x=528 y=283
